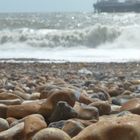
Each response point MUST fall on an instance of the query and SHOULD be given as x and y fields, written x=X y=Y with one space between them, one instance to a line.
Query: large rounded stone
x=72 y=127
x=84 y=98
x=12 y=133
x=63 y=95
x=3 y=124
x=44 y=107
x=47 y=90
x=51 y=102
x=11 y=102
x=104 y=107
x=11 y=120
x=86 y=112
x=135 y=82
x=115 y=90
x=51 y=134
x=62 y=111
x=120 y=100
x=32 y=125
x=23 y=110
x=8 y=96
x=113 y=128
x=22 y=94
x=132 y=105
x=23 y=119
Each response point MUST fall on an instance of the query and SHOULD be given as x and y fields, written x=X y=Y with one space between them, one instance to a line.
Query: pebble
x=3 y=124
x=133 y=106
x=86 y=112
x=51 y=134
x=71 y=101
x=62 y=111
x=32 y=124
x=72 y=127
x=103 y=107
x=115 y=128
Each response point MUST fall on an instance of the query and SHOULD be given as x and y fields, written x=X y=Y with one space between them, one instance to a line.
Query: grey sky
x=45 y=5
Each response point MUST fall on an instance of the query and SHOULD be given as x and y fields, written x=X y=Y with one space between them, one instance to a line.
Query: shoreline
x=40 y=60
x=127 y=69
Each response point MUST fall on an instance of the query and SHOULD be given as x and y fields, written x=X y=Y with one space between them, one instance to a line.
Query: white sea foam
x=88 y=38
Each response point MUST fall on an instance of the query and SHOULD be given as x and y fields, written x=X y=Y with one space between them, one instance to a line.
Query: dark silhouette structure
x=117 y=6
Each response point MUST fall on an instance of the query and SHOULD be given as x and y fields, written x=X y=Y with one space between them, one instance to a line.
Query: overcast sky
x=45 y=5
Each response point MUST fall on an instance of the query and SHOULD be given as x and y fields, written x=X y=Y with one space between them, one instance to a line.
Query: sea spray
x=84 y=37
x=89 y=37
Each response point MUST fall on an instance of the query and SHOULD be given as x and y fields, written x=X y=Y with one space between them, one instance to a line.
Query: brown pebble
x=51 y=134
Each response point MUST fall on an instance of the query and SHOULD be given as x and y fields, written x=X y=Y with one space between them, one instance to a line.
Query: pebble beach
x=70 y=101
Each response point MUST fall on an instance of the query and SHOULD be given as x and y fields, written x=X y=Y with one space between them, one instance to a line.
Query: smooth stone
x=22 y=95
x=64 y=94
x=23 y=119
x=44 y=107
x=101 y=95
x=46 y=90
x=12 y=132
x=35 y=96
x=3 y=124
x=127 y=92
x=135 y=82
x=99 y=75
x=85 y=98
x=115 y=90
x=50 y=104
x=51 y=134
x=72 y=127
x=62 y=111
x=3 y=111
x=114 y=128
x=33 y=124
x=104 y=107
x=11 y=120
x=84 y=72
x=8 y=96
x=9 y=86
x=23 y=110
x=34 y=101
x=58 y=124
x=119 y=100
x=11 y=102
x=86 y=112
x=132 y=105
x=115 y=109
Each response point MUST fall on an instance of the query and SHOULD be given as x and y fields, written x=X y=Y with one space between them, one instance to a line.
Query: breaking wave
x=48 y=38
x=76 y=37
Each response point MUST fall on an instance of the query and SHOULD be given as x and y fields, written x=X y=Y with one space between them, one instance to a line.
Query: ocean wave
x=92 y=36
x=128 y=39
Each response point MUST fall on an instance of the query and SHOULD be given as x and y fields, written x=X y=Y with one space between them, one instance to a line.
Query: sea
x=70 y=37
